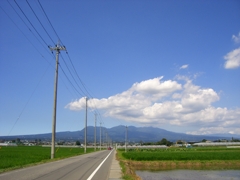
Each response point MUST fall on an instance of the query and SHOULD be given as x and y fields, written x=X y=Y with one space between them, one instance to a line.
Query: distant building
x=8 y=144
x=217 y=144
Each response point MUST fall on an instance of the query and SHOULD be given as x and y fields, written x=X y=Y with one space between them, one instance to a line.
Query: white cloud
x=232 y=59
x=236 y=38
x=156 y=102
x=216 y=130
x=155 y=88
x=184 y=66
x=199 y=99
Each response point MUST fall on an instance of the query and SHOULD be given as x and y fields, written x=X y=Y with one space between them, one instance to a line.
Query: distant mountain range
x=117 y=134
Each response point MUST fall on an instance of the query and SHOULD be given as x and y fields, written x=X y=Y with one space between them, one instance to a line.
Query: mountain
x=117 y=134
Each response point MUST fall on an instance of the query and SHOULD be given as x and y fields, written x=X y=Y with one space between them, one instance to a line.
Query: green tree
x=164 y=141
x=78 y=143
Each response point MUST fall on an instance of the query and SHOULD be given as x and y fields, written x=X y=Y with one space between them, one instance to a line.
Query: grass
x=181 y=154
x=201 y=158
x=22 y=156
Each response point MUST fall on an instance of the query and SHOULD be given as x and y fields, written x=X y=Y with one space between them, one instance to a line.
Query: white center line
x=94 y=172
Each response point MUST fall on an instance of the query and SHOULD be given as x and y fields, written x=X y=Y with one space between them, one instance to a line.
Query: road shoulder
x=115 y=169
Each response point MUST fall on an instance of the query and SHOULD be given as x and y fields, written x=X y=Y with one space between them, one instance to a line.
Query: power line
x=39 y=21
x=49 y=21
x=26 y=26
x=30 y=23
x=29 y=39
x=49 y=37
x=28 y=101
x=78 y=75
x=25 y=36
x=87 y=92
x=72 y=76
x=67 y=54
x=69 y=80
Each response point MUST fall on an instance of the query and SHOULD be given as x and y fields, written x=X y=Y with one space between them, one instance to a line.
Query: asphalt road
x=74 y=168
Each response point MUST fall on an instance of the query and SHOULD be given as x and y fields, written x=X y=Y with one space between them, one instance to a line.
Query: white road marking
x=94 y=172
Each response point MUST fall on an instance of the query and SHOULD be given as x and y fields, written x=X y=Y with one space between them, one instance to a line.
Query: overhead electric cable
x=70 y=81
x=49 y=21
x=28 y=101
x=87 y=92
x=30 y=41
x=25 y=36
x=72 y=76
x=26 y=26
x=66 y=51
x=39 y=21
x=31 y=23
x=78 y=75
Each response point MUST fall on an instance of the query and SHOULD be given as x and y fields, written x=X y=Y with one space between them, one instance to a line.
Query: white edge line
x=94 y=172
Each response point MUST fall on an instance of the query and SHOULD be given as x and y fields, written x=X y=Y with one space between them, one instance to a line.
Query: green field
x=183 y=154
x=197 y=158
x=20 y=156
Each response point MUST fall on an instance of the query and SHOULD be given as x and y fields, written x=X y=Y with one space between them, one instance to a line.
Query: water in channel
x=190 y=175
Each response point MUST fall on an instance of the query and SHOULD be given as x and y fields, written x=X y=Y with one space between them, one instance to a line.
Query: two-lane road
x=78 y=167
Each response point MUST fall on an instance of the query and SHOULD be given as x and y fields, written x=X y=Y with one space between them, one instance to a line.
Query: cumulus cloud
x=232 y=59
x=236 y=38
x=160 y=102
x=129 y=104
x=184 y=66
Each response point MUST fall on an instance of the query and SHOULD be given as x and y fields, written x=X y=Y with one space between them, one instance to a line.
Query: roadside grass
x=128 y=172
x=200 y=158
x=23 y=156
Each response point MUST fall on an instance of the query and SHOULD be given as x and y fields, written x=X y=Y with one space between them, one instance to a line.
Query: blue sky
x=168 y=64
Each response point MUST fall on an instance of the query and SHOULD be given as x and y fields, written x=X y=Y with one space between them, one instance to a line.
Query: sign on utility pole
x=57 y=48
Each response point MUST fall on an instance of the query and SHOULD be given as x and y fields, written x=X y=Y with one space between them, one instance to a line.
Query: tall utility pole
x=126 y=140
x=57 y=48
x=106 y=140
x=85 y=148
x=95 y=135
x=100 y=136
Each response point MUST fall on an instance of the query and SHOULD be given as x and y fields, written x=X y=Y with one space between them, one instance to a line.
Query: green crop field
x=196 y=158
x=183 y=154
x=20 y=156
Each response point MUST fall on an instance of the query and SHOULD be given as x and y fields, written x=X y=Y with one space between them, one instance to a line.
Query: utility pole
x=100 y=136
x=126 y=140
x=106 y=140
x=85 y=148
x=57 y=48
x=95 y=135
